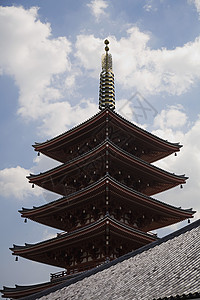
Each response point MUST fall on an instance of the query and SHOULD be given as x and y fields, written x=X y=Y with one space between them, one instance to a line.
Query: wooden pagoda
x=106 y=181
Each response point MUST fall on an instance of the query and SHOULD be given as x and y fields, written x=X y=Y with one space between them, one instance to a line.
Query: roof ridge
x=114 y=113
x=105 y=177
x=145 y=131
x=62 y=235
x=106 y=141
x=70 y=130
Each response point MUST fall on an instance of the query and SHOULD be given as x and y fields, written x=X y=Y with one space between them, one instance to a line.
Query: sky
x=50 y=61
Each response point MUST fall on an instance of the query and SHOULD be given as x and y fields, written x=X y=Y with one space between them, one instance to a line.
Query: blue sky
x=50 y=60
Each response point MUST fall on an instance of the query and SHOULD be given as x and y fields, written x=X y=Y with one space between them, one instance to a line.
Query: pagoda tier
x=107 y=195
x=107 y=124
x=86 y=247
x=106 y=158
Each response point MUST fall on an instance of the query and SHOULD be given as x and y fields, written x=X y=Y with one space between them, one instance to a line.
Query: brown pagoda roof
x=45 y=214
x=44 y=252
x=20 y=291
x=119 y=161
x=89 y=128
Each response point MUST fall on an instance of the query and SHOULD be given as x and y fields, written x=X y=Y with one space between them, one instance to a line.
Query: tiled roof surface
x=168 y=267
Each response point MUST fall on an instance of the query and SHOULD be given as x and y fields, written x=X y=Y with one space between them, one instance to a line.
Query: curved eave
x=61 y=239
x=93 y=189
x=22 y=291
x=143 y=163
x=69 y=133
x=173 y=147
x=116 y=150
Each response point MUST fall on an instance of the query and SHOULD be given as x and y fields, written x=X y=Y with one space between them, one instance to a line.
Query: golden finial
x=107 y=90
x=106 y=42
x=106 y=58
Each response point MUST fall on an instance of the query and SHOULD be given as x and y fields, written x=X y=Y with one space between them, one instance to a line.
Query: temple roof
x=93 y=124
x=160 y=270
x=119 y=160
x=43 y=214
x=41 y=251
x=23 y=290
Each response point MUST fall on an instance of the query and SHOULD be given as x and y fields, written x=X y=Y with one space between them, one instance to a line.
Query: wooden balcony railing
x=74 y=271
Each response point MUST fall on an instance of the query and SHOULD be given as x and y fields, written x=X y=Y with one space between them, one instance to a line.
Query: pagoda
x=106 y=180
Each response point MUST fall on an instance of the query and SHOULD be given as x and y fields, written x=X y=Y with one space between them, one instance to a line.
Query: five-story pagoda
x=106 y=182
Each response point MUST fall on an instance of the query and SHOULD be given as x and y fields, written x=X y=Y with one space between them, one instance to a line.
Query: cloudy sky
x=50 y=55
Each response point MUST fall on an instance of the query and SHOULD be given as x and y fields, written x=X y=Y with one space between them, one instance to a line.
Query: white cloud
x=42 y=71
x=32 y=58
x=61 y=116
x=98 y=7
x=13 y=183
x=173 y=117
x=140 y=68
x=89 y=51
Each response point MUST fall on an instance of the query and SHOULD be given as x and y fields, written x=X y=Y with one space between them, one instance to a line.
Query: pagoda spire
x=106 y=179
x=107 y=89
